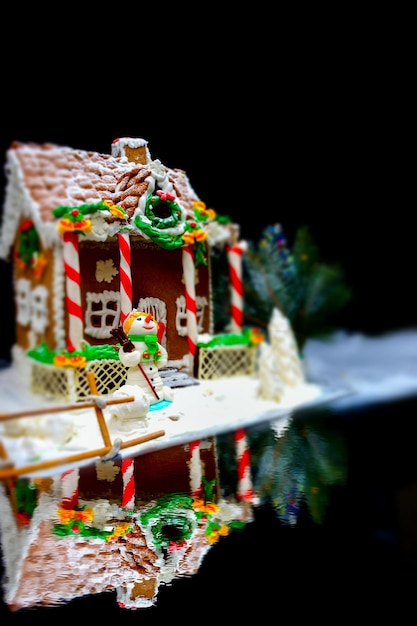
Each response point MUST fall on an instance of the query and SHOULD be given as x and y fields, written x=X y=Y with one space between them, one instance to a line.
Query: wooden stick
x=99 y=413
x=144 y=374
x=3 y=452
x=73 y=458
x=63 y=408
x=5 y=460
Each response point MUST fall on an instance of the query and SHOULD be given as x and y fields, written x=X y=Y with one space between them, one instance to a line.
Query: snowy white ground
x=196 y=412
x=344 y=371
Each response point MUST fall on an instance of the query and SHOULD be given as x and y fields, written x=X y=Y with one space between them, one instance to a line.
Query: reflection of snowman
x=143 y=355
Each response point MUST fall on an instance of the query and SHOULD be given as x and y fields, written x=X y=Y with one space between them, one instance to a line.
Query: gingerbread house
x=92 y=502
x=92 y=236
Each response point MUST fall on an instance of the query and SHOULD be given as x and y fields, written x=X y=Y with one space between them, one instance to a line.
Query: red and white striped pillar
x=244 y=485
x=125 y=275
x=190 y=300
x=128 y=496
x=234 y=255
x=69 y=488
x=73 y=290
x=195 y=470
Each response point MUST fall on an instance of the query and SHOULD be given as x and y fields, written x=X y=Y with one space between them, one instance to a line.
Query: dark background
x=313 y=128
x=336 y=166
x=273 y=121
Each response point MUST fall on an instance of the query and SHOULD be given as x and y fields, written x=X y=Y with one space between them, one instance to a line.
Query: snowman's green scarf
x=151 y=342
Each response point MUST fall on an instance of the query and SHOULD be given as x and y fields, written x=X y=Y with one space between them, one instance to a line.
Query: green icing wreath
x=158 y=225
x=163 y=200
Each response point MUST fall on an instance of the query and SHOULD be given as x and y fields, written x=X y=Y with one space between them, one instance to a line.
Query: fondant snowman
x=143 y=355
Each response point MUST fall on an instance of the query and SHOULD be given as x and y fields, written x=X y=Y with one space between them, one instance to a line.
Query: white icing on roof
x=43 y=177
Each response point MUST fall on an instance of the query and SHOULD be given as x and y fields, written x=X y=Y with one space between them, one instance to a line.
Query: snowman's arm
x=123 y=339
x=130 y=359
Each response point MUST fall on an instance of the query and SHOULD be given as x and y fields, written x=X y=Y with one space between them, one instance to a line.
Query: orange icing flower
x=224 y=530
x=65 y=516
x=193 y=236
x=214 y=535
x=77 y=361
x=115 y=209
x=202 y=213
x=121 y=529
x=60 y=360
x=66 y=225
x=205 y=507
x=256 y=337
x=199 y=205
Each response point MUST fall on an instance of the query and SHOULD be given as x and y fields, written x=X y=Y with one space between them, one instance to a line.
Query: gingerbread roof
x=42 y=177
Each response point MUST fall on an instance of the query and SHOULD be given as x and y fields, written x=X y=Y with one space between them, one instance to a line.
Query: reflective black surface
x=334 y=531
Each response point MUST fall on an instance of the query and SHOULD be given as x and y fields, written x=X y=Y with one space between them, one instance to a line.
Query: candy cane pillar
x=73 y=295
x=190 y=300
x=69 y=488
x=195 y=473
x=244 y=486
x=128 y=497
x=125 y=276
x=234 y=254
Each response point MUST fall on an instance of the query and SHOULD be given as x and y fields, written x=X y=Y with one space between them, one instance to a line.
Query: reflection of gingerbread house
x=92 y=236
x=127 y=525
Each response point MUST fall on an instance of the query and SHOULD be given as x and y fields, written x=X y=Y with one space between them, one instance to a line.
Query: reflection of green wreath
x=173 y=209
x=171 y=520
x=172 y=527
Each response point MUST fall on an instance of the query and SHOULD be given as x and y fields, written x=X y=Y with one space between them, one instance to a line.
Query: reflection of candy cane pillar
x=234 y=254
x=128 y=498
x=244 y=487
x=73 y=298
x=125 y=276
x=194 y=465
x=69 y=492
x=190 y=299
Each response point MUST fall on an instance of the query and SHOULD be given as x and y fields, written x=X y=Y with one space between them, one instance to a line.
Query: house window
x=181 y=316
x=38 y=309
x=23 y=301
x=102 y=313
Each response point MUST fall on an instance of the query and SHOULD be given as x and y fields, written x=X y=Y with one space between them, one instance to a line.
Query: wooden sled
x=110 y=449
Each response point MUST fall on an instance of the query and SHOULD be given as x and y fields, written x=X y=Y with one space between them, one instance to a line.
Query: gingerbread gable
x=92 y=236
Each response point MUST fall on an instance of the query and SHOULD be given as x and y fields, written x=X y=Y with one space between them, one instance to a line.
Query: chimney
x=135 y=150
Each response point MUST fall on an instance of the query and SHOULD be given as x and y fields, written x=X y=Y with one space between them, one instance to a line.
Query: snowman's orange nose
x=148 y=318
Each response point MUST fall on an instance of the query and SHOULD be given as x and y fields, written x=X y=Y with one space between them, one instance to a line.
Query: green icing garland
x=164 y=240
